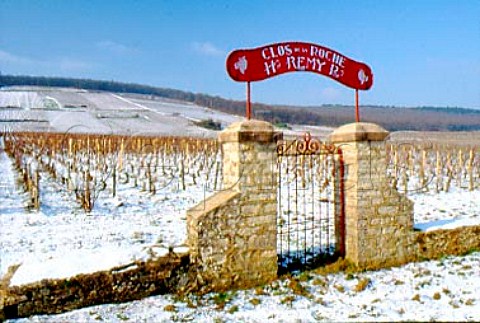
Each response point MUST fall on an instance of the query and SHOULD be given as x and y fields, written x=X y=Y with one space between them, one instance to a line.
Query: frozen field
x=61 y=240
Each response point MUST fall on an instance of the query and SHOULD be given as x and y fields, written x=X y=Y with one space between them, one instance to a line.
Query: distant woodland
x=392 y=118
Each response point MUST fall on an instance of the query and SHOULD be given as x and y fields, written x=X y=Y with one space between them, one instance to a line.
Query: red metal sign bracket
x=256 y=64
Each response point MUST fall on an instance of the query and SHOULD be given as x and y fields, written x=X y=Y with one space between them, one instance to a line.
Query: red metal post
x=249 y=109
x=357 y=112
x=342 y=202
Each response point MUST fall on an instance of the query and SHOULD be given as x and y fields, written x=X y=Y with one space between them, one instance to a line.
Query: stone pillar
x=378 y=219
x=232 y=235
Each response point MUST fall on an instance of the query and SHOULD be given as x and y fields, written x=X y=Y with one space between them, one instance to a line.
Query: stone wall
x=232 y=236
x=135 y=281
x=378 y=219
x=439 y=243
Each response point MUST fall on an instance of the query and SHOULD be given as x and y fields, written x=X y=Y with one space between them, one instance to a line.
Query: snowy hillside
x=81 y=111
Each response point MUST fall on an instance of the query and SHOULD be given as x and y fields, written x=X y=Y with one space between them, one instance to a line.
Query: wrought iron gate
x=310 y=216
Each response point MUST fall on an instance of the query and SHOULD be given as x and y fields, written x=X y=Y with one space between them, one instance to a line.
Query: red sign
x=247 y=65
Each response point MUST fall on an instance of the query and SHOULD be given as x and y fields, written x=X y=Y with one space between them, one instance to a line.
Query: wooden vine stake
x=35 y=190
x=459 y=167
x=471 y=184
x=439 y=172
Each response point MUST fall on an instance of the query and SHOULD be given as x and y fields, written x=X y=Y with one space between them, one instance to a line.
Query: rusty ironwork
x=310 y=220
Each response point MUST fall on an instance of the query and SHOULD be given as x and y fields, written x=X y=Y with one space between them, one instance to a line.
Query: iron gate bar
x=315 y=164
x=341 y=181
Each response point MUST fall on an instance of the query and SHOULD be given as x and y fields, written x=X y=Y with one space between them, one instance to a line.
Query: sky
x=422 y=53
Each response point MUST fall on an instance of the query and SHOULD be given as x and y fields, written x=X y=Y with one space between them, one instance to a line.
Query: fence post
x=378 y=219
x=232 y=235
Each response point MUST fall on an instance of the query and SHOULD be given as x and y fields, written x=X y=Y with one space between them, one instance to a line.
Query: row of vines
x=433 y=167
x=91 y=165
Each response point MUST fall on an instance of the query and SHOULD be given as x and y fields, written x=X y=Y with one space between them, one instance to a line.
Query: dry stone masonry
x=440 y=243
x=233 y=235
x=121 y=284
x=379 y=220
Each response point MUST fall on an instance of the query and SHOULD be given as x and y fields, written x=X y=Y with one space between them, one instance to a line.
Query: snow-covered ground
x=61 y=240
x=76 y=110
x=443 y=290
x=446 y=210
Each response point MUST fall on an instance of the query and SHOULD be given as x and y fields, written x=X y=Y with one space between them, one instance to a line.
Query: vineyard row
x=433 y=167
x=88 y=165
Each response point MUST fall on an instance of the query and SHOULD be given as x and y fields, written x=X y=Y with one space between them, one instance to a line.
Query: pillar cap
x=359 y=131
x=248 y=130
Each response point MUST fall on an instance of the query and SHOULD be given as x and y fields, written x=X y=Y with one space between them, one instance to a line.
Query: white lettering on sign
x=334 y=71
x=302 y=63
x=302 y=58
x=316 y=64
x=271 y=66
x=337 y=61
x=269 y=53
x=256 y=64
